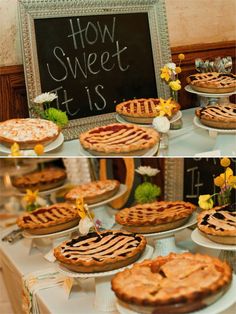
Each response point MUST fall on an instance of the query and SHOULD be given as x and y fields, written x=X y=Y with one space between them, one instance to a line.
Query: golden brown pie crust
x=92 y=253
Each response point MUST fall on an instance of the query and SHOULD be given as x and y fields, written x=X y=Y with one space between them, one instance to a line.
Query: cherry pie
x=94 y=192
x=218 y=116
x=213 y=82
x=144 y=110
x=219 y=224
x=176 y=283
x=45 y=179
x=111 y=249
x=50 y=219
x=155 y=217
x=28 y=132
x=119 y=139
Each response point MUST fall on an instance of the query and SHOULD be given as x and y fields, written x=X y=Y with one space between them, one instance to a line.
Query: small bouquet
x=49 y=113
x=147 y=192
x=226 y=181
x=31 y=200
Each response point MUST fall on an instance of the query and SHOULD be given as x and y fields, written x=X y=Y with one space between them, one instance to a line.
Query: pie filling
x=213 y=79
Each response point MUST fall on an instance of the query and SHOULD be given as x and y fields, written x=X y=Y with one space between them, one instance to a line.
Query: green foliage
x=147 y=192
x=57 y=116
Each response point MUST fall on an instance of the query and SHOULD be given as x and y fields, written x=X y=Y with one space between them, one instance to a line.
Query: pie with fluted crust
x=93 y=192
x=213 y=82
x=218 y=116
x=155 y=217
x=219 y=224
x=28 y=132
x=144 y=110
x=119 y=139
x=108 y=250
x=176 y=283
x=42 y=180
x=54 y=218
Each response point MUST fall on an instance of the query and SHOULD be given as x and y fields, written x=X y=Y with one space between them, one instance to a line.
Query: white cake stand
x=213 y=132
x=104 y=297
x=164 y=242
x=207 y=98
x=227 y=252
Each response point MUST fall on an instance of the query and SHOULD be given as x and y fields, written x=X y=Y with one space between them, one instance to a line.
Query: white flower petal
x=161 y=124
x=84 y=225
x=45 y=97
x=147 y=170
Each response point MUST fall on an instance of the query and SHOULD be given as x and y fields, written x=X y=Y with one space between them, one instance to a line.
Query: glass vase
x=174 y=95
x=224 y=198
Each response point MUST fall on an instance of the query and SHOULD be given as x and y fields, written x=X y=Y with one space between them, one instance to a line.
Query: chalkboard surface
x=199 y=175
x=95 y=62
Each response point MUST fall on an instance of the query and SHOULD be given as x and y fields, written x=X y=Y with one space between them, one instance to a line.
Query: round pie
x=45 y=220
x=219 y=224
x=119 y=139
x=42 y=180
x=144 y=110
x=218 y=116
x=93 y=192
x=176 y=283
x=213 y=82
x=108 y=250
x=28 y=132
x=155 y=217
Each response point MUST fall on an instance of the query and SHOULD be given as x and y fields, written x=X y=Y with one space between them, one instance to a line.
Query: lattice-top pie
x=213 y=82
x=144 y=110
x=119 y=139
x=111 y=249
x=219 y=224
x=176 y=283
x=218 y=116
x=42 y=180
x=28 y=132
x=94 y=192
x=155 y=217
x=49 y=219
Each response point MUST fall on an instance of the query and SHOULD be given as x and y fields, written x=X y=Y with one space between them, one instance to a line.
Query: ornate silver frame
x=174 y=179
x=29 y=10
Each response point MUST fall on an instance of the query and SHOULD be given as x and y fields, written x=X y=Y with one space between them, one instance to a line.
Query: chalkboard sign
x=94 y=54
x=199 y=174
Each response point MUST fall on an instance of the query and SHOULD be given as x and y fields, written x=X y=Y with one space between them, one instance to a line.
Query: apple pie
x=176 y=283
x=155 y=217
x=54 y=218
x=42 y=180
x=28 y=132
x=218 y=116
x=93 y=192
x=219 y=224
x=213 y=82
x=144 y=110
x=119 y=139
x=108 y=250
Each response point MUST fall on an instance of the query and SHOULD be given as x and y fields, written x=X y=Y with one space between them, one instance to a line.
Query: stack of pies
x=218 y=116
x=28 y=132
x=119 y=139
x=155 y=217
x=176 y=283
x=213 y=82
x=54 y=218
x=45 y=179
x=93 y=192
x=108 y=250
x=144 y=110
x=219 y=224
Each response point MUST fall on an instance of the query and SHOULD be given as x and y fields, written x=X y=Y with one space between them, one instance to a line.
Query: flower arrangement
x=147 y=192
x=49 y=113
x=170 y=72
x=226 y=181
x=31 y=200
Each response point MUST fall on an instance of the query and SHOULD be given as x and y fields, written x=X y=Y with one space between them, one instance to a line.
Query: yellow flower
x=165 y=73
x=15 y=150
x=175 y=85
x=228 y=173
x=225 y=162
x=205 y=201
x=181 y=56
x=232 y=181
x=39 y=149
x=30 y=196
x=165 y=107
x=178 y=70
x=80 y=206
x=219 y=181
